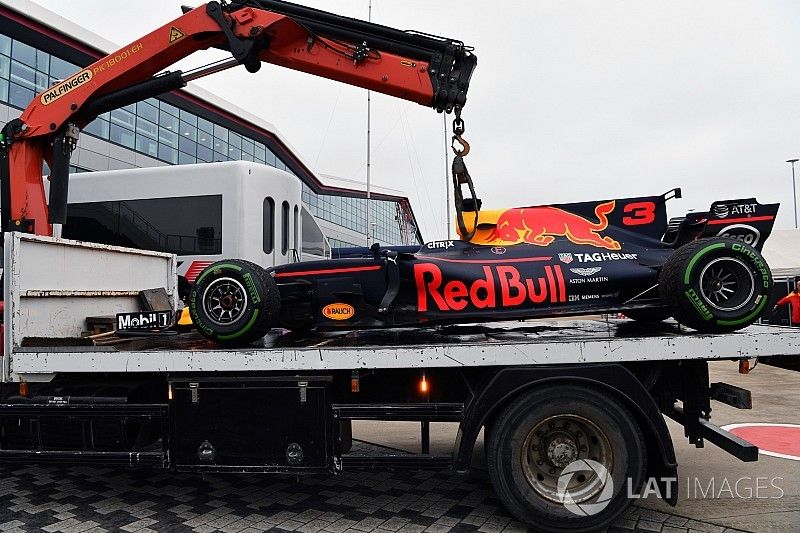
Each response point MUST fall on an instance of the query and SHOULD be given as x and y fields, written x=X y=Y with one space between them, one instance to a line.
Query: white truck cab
x=202 y=213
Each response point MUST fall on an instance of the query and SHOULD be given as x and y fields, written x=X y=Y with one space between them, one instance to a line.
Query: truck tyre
x=716 y=285
x=234 y=302
x=648 y=316
x=561 y=458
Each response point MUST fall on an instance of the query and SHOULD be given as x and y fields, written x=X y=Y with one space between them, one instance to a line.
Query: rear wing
x=745 y=220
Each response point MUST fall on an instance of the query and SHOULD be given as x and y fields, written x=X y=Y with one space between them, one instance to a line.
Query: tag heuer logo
x=565 y=258
x=586 y=272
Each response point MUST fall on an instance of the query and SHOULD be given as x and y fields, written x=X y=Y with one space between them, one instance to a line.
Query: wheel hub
x=555 y=443
x=224 y=301
x=562 y=451
x=727 y=284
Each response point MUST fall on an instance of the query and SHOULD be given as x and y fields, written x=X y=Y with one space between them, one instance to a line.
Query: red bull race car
x=617 y=256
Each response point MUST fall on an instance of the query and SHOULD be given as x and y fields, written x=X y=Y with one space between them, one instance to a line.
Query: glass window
x=98 y=128
x=221 y=148
x=205 y=125
x=42 y=61
x=235 y=140
x=296 y=227
x=184 y=226
x=121 y=136
x=61 y=69
x=186 y=159
x=313 y=238
x=260 y=152
x=185 y=116
x=187 y=146
x=147 y=112
x=5 y=64
x=147 y=145
x=165 y=153
x=123 y=117
x=19 y=96
x=23 y=75
x=247 y=146
x=279 y=164
x=170 y=138
x=188 y=131
x=168 y=108
x=168 y=122
x=5 y=45
x=220 y=133
x=205 y=154
x=270 y=159
x=3 y=90
x=285 y=228
x=146 y=128
x=269 y=225
x=234 y=153
x=24 y=53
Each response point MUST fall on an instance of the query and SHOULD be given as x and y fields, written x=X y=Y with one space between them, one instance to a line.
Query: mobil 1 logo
x=144 y=321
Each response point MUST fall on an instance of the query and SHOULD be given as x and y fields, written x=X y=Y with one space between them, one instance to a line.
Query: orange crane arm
x=428 y=70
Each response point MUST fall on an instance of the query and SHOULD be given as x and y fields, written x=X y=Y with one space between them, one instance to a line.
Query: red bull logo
x=500 y=286
x=541 y=225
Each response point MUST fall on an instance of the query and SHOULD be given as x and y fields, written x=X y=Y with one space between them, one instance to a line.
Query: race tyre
x=234 y=302
x=561 y=458
x=648 y=316
x=716 y=285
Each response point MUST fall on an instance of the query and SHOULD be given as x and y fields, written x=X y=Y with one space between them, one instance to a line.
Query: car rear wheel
x=560 y=458
x=234 y=302
x=716 y=285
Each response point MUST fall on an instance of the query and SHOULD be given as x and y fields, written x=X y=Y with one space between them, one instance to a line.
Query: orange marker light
x=423 y=384
x=744 y=366
x=23 y=389
x=355 y=382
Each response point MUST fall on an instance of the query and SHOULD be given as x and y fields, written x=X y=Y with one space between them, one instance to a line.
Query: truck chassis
x=285 y=405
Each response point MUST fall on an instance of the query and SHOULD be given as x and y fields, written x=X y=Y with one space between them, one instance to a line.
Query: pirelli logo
x=66 y=87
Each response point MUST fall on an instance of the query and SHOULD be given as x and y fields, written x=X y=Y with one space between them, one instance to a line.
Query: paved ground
x=74 y=499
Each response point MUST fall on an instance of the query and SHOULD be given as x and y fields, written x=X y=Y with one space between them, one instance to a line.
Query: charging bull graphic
x=541 y=225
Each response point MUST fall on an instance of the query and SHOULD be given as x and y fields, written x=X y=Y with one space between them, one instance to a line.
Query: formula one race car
x=618 y=256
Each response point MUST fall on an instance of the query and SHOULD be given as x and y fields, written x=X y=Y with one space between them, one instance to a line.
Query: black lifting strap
x=460 y=177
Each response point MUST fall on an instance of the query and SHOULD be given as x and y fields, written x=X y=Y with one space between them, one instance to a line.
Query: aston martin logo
x=586 y=272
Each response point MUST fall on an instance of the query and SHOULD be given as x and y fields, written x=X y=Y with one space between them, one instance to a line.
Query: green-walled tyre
x=716 y=285
x=234 y=302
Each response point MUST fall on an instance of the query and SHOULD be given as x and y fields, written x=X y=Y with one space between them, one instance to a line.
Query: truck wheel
x=234 y=302
x=648 y=316
x=561 y=457
x=716 y=285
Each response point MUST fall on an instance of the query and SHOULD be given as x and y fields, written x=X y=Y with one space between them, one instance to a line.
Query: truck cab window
x=285 y=228
x=269 y=225
x=190 y=225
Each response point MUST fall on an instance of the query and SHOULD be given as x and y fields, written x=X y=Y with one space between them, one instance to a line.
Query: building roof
x=96 y=46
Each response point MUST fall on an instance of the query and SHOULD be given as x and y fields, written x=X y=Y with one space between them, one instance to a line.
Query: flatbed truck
x=545 y=392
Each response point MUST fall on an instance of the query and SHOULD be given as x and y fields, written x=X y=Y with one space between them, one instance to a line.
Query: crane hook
x=463 y=151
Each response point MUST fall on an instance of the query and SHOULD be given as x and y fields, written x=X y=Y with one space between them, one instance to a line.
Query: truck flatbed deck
x=551 y=342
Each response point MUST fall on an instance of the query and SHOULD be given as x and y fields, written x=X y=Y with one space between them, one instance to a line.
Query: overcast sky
x=572 y=100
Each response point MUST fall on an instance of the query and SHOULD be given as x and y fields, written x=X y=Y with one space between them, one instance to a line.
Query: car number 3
x=639 y=213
